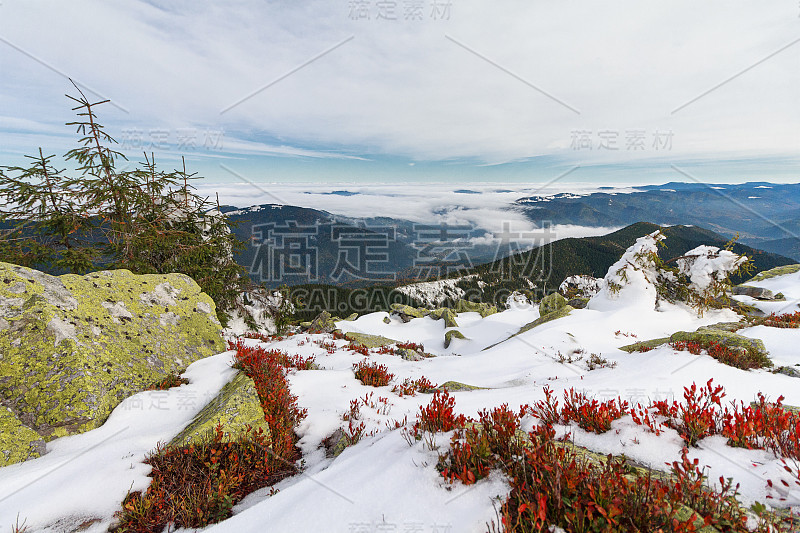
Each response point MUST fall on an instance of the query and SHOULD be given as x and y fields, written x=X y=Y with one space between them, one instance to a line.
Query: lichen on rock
x=775 y=272
x=370 y=341
x=451 y=334
x=446 y=314
x=551 y=303
x=17 y=442
x=235 y=408
x=75 y=346
x=484 y=309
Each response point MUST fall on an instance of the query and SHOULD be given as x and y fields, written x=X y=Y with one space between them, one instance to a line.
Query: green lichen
x=774 y=272
x=484 y=309
x=455 y=386
x=235 y=408
x=323 y=322
x=413 y=312
x=370 y=341
x=706 y=336
x=451 y=334
x=17 y=442
x=644 y=345
x=446 y=314
x=551 y=303
x=78 y=345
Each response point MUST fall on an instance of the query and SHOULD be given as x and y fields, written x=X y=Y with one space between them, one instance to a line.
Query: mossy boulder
x=775 y=272
x=484 y=309
x=642 y=346
x=73 y=347
x=705 y=336
x=370 y=341
x=446 y=314
x=235 y=408
x=323 y=322
x=551 y=303
x=17 y=442
x=455 y=386
x=351 y=317
x=727 y=326
x=406 y=312
x=451 y=334
x=561 y=312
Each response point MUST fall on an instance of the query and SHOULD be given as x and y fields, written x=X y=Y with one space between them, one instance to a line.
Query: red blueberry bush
x=372 y=374
x=438 y=415
x=554 y=484
x=197 y=485
x=409 y=387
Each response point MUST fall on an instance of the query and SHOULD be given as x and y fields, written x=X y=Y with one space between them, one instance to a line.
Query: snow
x=383 y=482
x=635 y=275
x=705 y=265
x=433 y=293
x=88 y=475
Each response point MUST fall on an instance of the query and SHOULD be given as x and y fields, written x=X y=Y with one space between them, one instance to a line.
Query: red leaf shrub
x=409 y=387
x=372 y=374
x=700 y=414
x=438 y=415
x=194 y=486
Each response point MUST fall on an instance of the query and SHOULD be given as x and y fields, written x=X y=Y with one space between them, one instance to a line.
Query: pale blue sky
x=448 y=91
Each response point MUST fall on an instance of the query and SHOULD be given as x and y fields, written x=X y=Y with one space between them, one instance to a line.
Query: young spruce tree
x=146 y=220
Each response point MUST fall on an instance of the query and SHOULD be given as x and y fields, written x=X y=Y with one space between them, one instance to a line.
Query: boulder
x=706 y=335
x=335 y=443
x=790 y=371
x=758 y=293
x=727 y=326
x=455 y=386
x=370 y=341
x=450 y=335
x=323 y=323
x=644 y=345
x=411 y=355
x=406 y=312
x=774 y=272
x=447 y=314
x=578 y=303
x=235 y=408
x=17 y=442
x=73 y=347
x=551 y=303
x=484 y=309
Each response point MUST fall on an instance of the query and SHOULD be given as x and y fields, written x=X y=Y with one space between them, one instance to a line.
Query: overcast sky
x=391 y=90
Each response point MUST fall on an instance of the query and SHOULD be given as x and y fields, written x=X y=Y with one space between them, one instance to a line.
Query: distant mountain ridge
x=538 y=272
x=766 y=215
x=543 y=269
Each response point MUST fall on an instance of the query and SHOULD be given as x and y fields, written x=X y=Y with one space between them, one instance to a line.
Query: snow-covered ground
x=384 y=484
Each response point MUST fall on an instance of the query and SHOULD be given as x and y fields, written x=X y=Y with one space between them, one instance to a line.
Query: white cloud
x=404 y=89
